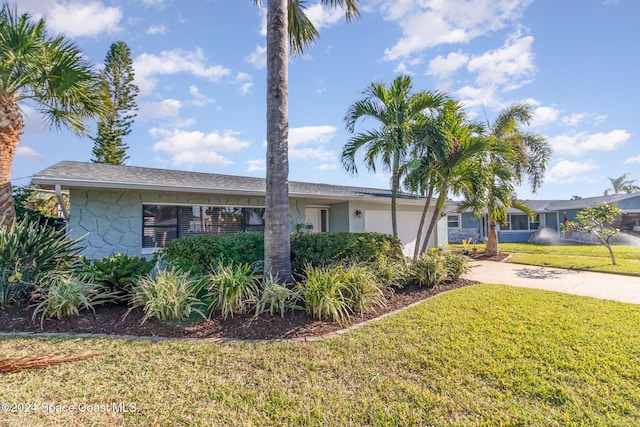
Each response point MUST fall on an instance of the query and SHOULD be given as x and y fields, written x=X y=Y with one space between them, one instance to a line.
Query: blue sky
x=201 y=71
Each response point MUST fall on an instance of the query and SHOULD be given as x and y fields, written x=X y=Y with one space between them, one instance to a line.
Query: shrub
x=456 y=265
x=67 y=294
x=362 y=290
x=324 y=293
x=167 y=294
x=276 y=297
x=27 y=251
x=429 y=269
x=233 y=289
x=199 y=253
x=318 y=249
x=389 y=272
x=118 y=272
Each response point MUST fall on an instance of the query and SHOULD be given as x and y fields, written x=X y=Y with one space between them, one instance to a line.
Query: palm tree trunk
x=277 y=237
x=395 y=183
x=442 y=197
x=492 y=239
x=423 y=219
x=10 y=128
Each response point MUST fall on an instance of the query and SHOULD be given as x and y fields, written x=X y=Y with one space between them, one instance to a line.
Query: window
x=164 y=223
x=521 y=223
x=453 y=221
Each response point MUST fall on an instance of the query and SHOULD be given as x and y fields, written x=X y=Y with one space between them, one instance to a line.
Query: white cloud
x=442 y=67
x=474 y=96
x=573 y=119
x=28 y=153
x=428 y=23
x=543 y=116
x=632 y=160
x=174 y=61
x=158 y=3
x=258 y=58
x=566 y=171
x=306 y=134
x=583 y=142
x=301 y=137
x=322 y=16
x=256 y=165
x=195 y=147
x=199 y=100
x=245 y=83
x=154 y=110
x=78 y=19
x=508 y=66
x=157 y=29
x=327 y=166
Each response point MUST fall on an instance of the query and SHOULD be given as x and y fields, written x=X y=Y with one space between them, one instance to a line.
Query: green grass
x=482 y=355
x=577 y=257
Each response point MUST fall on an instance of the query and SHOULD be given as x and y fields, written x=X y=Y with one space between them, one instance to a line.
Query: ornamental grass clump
x=29 y=251
x=325 y=293
x=429 y=269
x=456 y=265
x=168 y=295
x=233 y=289
x=362 y=290
x=277 y=297
x=65 y=294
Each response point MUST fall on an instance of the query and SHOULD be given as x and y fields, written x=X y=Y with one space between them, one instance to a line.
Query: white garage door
x=408 y=222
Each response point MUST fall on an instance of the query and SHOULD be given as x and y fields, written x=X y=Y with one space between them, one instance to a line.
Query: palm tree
x=451 y=158
x=400 y=114
x=287 y=25
x=515 y=155
x=622 y=185
x=48 y=71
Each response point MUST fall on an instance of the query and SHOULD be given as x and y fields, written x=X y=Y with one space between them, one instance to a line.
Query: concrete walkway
x=598 y=285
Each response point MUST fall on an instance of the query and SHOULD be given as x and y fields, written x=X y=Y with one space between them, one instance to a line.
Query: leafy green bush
x=429 y=269
x=118 y=272
x=27 y=251
x=324 y=293
x=389 y=272
x=456 y=265
x=167 y=294
x=67 y=294
x=276 y=297
x=362 y=289
x=317 y=249
x=233 y=289
x=199 y=254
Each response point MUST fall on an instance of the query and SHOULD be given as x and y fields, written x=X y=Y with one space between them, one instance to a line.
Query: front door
x=318 y=218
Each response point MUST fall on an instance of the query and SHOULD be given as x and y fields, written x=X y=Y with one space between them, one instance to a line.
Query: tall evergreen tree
x=119 y=94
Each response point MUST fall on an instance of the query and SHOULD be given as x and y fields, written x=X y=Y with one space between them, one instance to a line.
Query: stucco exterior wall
x=111 y=220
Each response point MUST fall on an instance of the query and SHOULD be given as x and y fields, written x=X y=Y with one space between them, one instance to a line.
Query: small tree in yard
x=598 y=221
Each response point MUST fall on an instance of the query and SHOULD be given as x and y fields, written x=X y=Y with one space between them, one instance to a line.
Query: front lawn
x=482 y=355
x=577 y=257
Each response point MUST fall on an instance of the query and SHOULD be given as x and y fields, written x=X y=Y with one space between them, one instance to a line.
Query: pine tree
x=119 y=94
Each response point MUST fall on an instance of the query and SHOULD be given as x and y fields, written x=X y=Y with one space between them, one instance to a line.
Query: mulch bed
x=481 y=256
x=108 y=319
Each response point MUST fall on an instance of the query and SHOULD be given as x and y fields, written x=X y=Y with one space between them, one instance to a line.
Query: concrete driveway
x=598 y=285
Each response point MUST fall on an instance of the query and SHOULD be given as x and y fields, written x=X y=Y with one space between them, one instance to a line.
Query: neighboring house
x=137 y=210
x=549 y=215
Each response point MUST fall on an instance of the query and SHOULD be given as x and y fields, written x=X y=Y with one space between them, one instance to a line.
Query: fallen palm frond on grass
x=42 y=361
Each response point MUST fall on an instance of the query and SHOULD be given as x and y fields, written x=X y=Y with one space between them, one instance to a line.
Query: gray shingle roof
x=93 y=175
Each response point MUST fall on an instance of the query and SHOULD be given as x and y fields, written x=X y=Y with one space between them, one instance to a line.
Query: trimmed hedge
x=319 y=249
x=198 y=253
